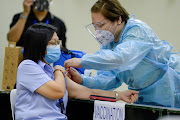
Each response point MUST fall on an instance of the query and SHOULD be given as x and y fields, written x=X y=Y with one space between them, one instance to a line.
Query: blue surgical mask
x=53 y=53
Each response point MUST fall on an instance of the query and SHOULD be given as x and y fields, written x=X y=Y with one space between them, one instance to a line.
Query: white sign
x=104 y=110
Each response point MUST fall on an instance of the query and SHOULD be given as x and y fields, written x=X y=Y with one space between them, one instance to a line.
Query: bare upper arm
x=51 y=90
x=76 y=90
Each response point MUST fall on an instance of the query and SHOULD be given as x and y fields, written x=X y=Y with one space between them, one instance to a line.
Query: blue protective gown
x=142 y=61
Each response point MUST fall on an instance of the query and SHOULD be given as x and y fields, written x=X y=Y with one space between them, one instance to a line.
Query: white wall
x=161 y=15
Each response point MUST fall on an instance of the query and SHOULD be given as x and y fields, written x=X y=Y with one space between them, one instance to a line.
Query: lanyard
x=62 y=105
x=47 y=21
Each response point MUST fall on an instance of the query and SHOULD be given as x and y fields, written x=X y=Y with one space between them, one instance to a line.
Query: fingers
x=130 y=99
x=67 y=69
x=69 y=75
x=134 y=95
x=131 y=96
x=27 y=6
x=28 y=2
x=67 y=63
x=134 y=92
x=75 y=75
x=134 y=98
x=73 y=71
x=74 y=62
x=60 y=67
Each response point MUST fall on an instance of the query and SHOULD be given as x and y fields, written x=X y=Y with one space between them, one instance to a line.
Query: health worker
x=130 y=52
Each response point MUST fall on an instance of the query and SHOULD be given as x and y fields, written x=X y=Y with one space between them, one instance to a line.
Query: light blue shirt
x=142 y=61
x=30 y=105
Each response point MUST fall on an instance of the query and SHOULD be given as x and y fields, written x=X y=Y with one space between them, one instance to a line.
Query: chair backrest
x=13 y=101
x=68 y=54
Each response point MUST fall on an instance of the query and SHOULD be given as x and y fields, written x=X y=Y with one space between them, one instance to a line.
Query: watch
x=116 y=94
x=22 y=16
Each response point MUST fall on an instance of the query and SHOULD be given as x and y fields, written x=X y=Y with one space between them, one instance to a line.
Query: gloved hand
x=74 y=62
x=74 y=75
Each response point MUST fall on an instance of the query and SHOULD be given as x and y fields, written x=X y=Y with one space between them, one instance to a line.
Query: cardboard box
x=13 y=56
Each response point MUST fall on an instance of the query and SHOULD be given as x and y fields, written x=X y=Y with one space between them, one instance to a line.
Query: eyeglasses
x=99 y=25
x=92 y=27
x=54 y=42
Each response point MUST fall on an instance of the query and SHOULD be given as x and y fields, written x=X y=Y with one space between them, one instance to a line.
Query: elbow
x=61 y=94
x=58 y=95
x=9 y=38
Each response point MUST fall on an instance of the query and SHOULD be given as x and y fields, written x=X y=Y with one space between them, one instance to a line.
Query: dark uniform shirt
x=49 y=19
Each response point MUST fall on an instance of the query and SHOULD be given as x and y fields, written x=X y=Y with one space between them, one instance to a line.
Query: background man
x=34 y=12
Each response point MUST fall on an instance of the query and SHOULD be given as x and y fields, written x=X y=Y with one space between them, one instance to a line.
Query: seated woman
x=43 y=91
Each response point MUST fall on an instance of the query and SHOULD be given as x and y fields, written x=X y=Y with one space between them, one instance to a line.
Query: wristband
x=116 y=94
x=59 y=70
x=22 y=16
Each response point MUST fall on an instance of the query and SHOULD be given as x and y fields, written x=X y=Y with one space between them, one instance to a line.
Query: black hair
x=36 y=39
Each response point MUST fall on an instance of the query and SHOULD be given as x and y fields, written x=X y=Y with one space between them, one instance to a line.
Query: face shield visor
x=41 y=5
x=103 y=37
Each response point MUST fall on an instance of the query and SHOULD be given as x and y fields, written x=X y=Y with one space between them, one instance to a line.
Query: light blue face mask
x=53 y=53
